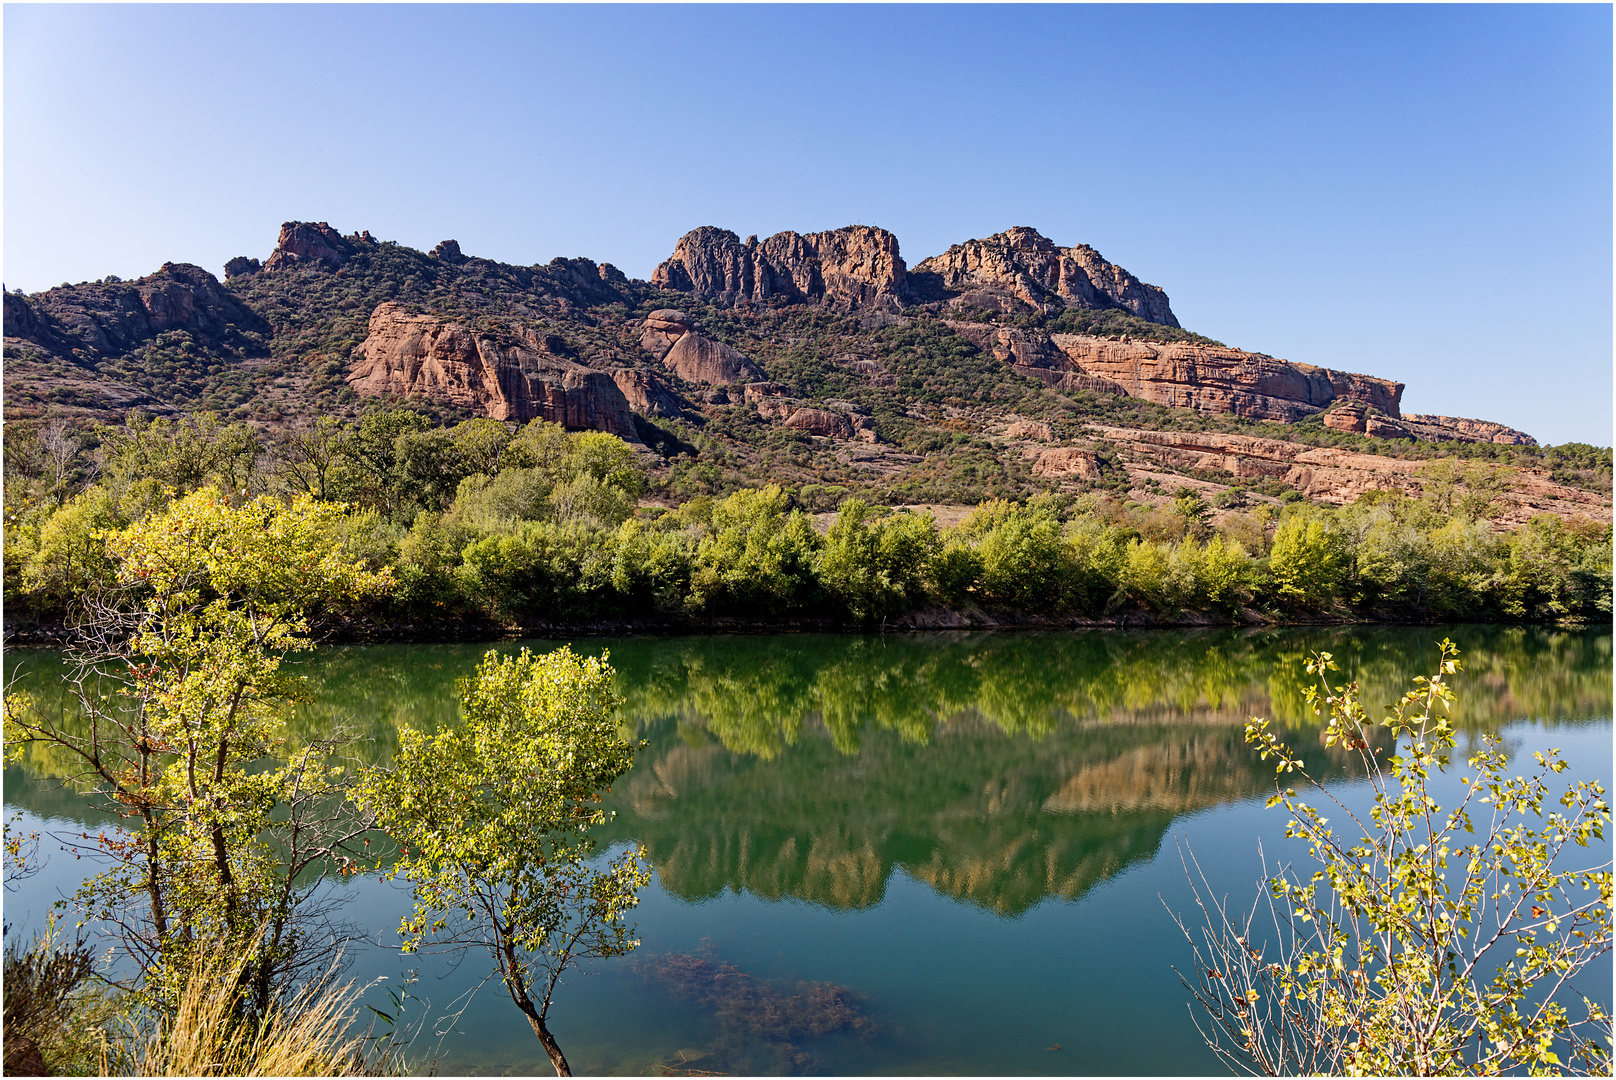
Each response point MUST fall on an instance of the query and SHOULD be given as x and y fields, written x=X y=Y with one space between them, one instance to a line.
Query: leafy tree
x=756 y=557
x=309 y=454
x=1308 y=559
x=181 y=729
x=181 y=454
x=1426 y=942
x=877 y=568
x=493 y=816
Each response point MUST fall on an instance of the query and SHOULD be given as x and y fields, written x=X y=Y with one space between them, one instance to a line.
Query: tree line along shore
x=491 y=531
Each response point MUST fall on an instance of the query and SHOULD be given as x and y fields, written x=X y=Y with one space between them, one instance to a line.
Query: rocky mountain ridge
x=778 y=343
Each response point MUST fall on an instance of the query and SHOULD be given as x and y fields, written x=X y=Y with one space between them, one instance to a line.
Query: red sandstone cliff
x=510 y=378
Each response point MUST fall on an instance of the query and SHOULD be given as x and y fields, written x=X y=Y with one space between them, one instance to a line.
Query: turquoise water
x=915 y=854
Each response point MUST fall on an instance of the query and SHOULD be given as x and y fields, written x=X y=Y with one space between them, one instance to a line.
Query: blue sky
x=1419 y=193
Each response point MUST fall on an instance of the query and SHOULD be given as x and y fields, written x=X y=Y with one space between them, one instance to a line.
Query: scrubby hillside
x=1001 y=367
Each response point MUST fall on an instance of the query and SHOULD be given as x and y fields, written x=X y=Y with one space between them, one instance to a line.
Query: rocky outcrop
x=646 y=394
x=1459 y=429
x=1355 y=417
x=671 y=336
x=662 y=329
x=1211 y=378
x=1340 y=476
x=448 y=252
x=1063 y=461
x=1021 y=270
x=701 y=360
x=241 y=266
x=111 y=317
x=508 y=377
x=308 y=244
x=820 y=422
x=847 y=268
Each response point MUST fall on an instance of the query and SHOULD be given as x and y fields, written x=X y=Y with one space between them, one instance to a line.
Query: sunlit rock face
x=510 y=377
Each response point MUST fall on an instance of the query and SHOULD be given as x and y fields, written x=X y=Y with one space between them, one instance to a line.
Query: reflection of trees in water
x=1001 y=820
x=1008 y=768
x=1002 y=768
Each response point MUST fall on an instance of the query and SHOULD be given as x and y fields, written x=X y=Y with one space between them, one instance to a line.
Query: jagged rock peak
x=851 y=267
x=311 y=244
x=1020 y=269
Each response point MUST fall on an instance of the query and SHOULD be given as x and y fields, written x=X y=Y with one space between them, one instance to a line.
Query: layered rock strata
x=1019 y=269
x=846 y=268
x=1212 y=378
x=1457 y=428
x=508 y=378
x=1340 y=476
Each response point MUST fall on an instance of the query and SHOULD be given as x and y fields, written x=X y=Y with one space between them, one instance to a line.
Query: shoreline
x=56 y=635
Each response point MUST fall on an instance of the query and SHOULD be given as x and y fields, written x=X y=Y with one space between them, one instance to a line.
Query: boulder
x=505 y=377
x=662 y=329
x=1066 y=461
x=820 y=422
x=701 y=360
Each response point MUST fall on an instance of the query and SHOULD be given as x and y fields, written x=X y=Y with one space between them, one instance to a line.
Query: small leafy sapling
x=1425 y=942
x=493 y=818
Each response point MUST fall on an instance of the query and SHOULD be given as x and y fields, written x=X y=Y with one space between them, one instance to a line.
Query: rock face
x=510 y=378
x=1459 y=429
x=1215 y=379
x=110 y=318
x=308 y=244
x=1020 y=270
x=1341 y=476
x=847 y=268
x=645 y=393
x=671 y=337
x=1062 y=461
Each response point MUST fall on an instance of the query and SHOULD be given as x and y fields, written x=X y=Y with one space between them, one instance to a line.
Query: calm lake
x=930 y=854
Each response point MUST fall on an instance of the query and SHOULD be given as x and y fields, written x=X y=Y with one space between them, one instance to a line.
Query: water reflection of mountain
x=1002 y=769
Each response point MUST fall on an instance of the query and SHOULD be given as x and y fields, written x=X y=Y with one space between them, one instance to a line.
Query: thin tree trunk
x=557 y=1058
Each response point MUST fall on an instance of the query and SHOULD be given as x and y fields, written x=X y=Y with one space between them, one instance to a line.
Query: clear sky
x=1419 y=193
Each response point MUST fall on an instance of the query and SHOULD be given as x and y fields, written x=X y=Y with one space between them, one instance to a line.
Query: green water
x=969 y=841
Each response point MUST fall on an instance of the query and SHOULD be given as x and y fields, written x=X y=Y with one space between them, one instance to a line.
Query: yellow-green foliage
x=1422 y=941
x=493 y=819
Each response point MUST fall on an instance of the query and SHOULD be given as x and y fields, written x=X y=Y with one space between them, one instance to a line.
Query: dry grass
x=306 y=1035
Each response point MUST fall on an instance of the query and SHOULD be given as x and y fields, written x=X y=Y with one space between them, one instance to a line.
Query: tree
x=877 y=568
x=492 y=820
x=181 y=730
x=1308 y=559
x=1426 y=943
